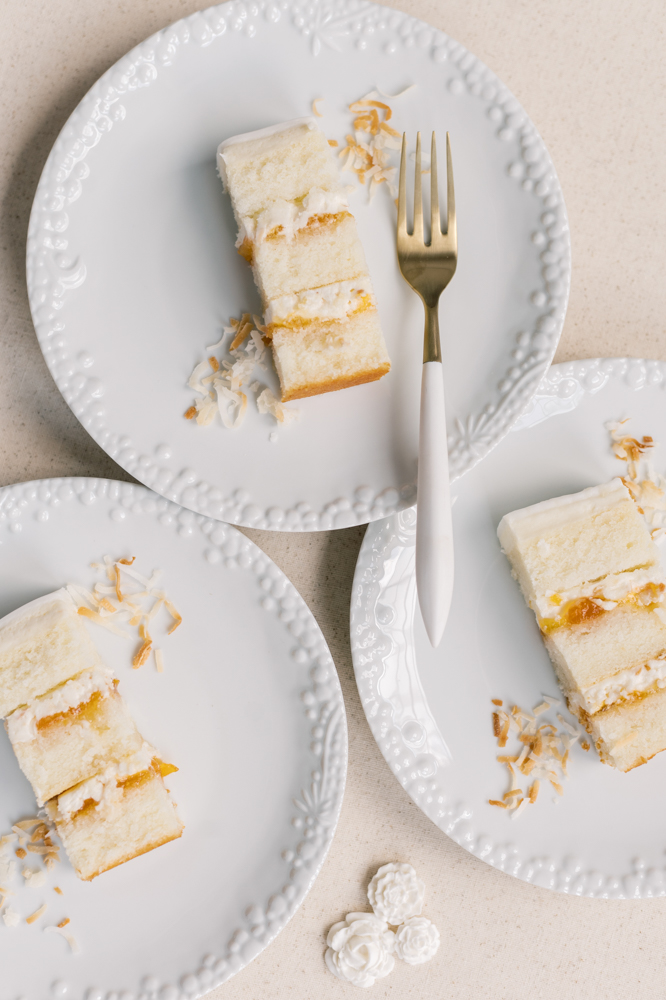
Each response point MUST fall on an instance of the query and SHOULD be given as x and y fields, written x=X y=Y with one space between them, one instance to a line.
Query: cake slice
x=120 y=813
x=42 y=644
x=295 y=228
x=588 y=567
x=72 y=732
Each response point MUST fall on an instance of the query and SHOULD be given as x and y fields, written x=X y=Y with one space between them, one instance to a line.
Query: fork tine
x=418 y=198
x=451 y=228
x=435 y=221
x=402 y=190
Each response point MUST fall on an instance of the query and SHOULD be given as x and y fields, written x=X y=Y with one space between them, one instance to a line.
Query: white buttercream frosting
x=396 y=893
x=292 y=216
x=360 y=949
x=416 y=941
x=621 y=685
x=22 y=724
x=103 y=787
x=612 y=589
x=329 y=302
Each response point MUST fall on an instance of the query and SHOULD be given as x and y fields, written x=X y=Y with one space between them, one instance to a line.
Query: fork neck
x=431 y=346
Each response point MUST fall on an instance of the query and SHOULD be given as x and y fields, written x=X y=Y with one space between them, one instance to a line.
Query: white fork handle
x=434 y=534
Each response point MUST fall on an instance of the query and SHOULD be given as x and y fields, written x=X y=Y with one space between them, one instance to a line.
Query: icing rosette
x=396 y=893
x=416 y=941
x=360 y=949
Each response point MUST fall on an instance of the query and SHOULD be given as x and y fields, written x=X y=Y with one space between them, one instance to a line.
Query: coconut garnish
x=128 y=597
x=367 y=152
x=543 y=757
x=647 y=488
x=224 y=385
x=61 y=929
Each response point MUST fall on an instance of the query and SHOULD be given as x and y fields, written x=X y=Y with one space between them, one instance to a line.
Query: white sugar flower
x=360 y=949
x=396 y=893
x=416 y=941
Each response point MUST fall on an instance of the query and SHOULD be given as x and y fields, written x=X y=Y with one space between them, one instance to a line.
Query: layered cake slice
x=296 y=230
x=42 y=644
x=588 y=567
x=72 y=732
x=120 y=813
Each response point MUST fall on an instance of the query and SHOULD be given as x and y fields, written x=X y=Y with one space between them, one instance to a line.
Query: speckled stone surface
x=592 y=77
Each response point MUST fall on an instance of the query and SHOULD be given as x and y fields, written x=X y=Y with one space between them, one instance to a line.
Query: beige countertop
x=592 y=76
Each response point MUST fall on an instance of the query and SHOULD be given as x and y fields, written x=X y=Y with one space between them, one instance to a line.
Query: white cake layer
x=284 y=162
x=72 y=746
x=322 y=357
x=561 y=544
x=96 y=839
x=595 y=651
x=42 y=644
x=629 y=734
x=330 y=302
x=611 y=589
x=317 y=256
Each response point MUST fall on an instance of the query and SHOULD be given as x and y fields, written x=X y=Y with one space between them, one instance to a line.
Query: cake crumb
x=10 y=917
x=35 y=878
x=497 y=701
x=21 y=853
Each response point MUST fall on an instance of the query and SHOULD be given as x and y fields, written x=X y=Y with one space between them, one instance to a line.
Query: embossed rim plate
x=131 y=265
x=430 y=711
x=250 y=709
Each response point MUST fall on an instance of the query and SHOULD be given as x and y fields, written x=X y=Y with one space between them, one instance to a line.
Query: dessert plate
x=248 y=707
x=430 y=710
x=132 y=269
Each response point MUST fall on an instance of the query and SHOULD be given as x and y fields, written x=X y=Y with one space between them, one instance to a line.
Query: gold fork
x=428 y=268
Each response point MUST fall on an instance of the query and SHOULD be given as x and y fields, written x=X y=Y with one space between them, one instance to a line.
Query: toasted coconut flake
x=496 y=802
x=267 y=403
x=534 y=791
x=104 y=622
x=520 y=808
x=37 y=914
x=21 y=853
x=69 y=938
x=557 y=786
x=177 y=618
x=315 y=109
x=159 y=661
x=142 y=655
x=36 y=849
x=333 y=142
x=56 y=888
x=540 y=709
x=26 y=824
x=497 y=701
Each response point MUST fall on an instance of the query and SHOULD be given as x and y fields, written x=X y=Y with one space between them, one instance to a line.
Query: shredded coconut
x=647 y=488
x=69 y=938
x=225 y=385
x=543 y=756
x=368 y=151
x=131 y=597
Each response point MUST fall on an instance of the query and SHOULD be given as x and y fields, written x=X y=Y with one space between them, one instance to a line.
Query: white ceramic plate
x=132 y=267
x=430 y=711
x=249 y=708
